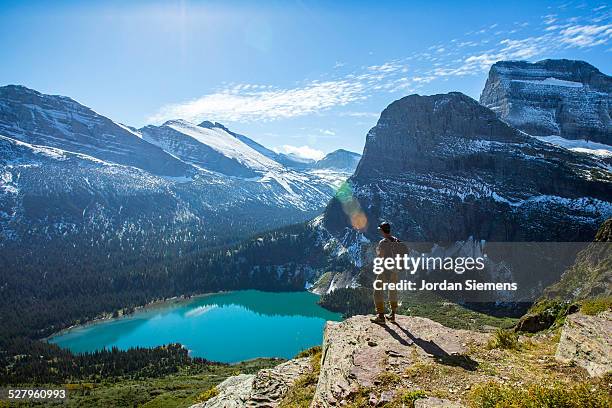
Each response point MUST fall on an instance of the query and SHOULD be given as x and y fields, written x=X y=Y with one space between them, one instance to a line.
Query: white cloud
x=471 y=55
x=550 y=18
x=305 y=152
x=249 y=103
x=586 y=35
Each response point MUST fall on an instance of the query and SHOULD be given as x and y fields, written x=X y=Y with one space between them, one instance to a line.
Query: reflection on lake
x=227 y=327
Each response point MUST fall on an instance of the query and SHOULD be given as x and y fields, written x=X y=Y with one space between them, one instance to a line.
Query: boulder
x=586 y=341
x=264 y=389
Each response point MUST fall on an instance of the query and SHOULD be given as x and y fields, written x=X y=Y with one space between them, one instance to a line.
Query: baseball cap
x=385 y=227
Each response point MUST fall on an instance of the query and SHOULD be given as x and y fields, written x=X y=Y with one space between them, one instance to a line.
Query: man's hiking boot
x=380 y=318
x=391 y=317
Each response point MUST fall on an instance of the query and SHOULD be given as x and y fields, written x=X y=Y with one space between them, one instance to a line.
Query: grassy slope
x=450 y=314
x=176 y=390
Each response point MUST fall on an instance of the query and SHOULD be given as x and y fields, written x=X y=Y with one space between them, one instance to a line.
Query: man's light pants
x=388 y=276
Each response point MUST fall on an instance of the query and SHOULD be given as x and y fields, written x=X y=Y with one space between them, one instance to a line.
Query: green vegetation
x=388 y=379
x=596 y=306
x=103 y=278
x=551 y=313
x=591 y=272
x=450 y=314
x=208 y=394
x=504 y=339
x=407 y=399
x=301 y=393
x=179 y=390
x=545 y=314
x=309 y=352
x=359 y=399
x=349 y=301
x=541 y=395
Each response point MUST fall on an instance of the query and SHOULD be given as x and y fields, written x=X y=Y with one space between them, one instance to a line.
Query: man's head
x=385 y=228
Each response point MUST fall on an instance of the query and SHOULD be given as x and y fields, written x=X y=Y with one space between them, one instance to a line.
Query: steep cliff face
x=571 y=99
x=443 y=168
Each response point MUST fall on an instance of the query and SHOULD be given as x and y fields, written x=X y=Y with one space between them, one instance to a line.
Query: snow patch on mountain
x=579 y=145
x=226 y=144
x=550 y=81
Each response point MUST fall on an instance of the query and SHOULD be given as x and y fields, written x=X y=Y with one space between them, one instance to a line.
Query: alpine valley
x=93 y=208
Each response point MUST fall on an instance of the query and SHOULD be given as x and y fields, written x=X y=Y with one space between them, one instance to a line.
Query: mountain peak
x=560 y=97
x=429 y=118
x=212 y=125
x=340 y=159
x=442 y=153
x=180 y=122
x=547 y=64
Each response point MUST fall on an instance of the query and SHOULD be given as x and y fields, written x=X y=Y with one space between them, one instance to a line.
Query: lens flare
x=351 y=207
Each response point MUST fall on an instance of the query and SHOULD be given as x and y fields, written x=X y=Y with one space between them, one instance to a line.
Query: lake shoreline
x=152 y=305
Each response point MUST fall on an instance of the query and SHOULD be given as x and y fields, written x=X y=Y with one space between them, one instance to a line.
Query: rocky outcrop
x=585 y=341
x=358 y=354
x=418 y=361
x=571 y=99
x=264 y=389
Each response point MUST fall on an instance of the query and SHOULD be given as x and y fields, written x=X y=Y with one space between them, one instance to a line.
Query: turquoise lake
x=227 y=327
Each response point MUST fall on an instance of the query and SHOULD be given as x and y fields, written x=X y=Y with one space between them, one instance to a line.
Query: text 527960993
x=16 y=394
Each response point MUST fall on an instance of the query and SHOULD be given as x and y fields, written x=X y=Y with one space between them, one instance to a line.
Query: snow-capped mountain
x=340 y=160
x=60 y=122
x=209 y=148
x=287 y=160
x=563 y=98
x=65 y=168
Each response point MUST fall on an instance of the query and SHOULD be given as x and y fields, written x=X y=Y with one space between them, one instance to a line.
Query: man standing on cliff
x=388 y=247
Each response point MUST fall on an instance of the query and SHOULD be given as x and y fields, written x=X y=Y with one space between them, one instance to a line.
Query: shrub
x=309 y=352
x=504 y=339
x=596 y=306
x=301 y=392
x=407 y=399
x=387 y=378
x=208 y=394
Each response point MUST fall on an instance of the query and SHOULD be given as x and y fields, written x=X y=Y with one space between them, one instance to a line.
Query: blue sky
x=298 y=76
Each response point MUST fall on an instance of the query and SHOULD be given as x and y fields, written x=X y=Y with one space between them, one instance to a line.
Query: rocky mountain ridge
x=111 y=174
